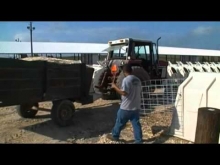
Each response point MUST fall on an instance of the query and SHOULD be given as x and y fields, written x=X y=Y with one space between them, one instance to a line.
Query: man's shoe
x=110 y=137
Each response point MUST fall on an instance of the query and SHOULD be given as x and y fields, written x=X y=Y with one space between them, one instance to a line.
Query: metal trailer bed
x=26 y=83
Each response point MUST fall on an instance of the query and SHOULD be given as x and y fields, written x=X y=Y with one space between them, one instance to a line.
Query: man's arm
x=119 y=91
x=125 y=88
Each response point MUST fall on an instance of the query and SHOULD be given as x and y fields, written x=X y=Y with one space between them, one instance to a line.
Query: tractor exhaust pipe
x=158 y=51
x=158 y=44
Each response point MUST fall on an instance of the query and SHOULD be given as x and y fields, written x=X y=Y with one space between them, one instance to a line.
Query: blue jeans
x=123 y=116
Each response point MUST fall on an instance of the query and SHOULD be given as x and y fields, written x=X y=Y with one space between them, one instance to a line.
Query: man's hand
x=118 y=90
x=113 y=85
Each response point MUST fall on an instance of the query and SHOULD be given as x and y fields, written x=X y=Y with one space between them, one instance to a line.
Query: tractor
x=142 y=55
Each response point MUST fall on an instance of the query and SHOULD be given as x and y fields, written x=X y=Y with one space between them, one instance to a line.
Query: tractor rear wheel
x=97 y=79
x=137 y=71
x=140 y=73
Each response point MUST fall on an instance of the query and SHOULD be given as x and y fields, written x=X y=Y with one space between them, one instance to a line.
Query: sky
x=203 y=35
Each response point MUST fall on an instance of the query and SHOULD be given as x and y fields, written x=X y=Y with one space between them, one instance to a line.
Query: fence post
x=208 y=125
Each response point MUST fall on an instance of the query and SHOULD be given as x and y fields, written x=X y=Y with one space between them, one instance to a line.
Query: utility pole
x=31 y=30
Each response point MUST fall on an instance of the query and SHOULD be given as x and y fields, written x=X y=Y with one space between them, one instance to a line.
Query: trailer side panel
x=20 y=81
x=63 y=81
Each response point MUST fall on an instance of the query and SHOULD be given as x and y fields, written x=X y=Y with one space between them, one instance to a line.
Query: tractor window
x=116 y=53
x=142 y=52
x=119 y=52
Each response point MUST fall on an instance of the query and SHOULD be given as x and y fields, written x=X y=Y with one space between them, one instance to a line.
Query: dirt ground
x=90 y=125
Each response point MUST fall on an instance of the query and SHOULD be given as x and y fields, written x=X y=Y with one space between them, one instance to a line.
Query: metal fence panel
x=159 y=95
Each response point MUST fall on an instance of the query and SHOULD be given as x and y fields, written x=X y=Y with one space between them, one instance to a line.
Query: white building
x=91 y=52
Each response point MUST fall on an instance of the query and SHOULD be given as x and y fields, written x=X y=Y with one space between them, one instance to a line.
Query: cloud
x=110 y=33
x=202 y=30
x=201 y=37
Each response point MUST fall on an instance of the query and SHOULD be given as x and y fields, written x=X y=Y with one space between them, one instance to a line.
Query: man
x=130 y=105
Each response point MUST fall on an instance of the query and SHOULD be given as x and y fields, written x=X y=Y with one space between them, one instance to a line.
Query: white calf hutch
x=183 y=97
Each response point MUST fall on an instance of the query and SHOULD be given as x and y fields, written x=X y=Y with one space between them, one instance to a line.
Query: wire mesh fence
x=159 y=95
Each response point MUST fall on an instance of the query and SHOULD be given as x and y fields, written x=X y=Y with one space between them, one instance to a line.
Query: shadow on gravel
x=163 y=137
x=87 y=123
x=157 y=129
x=44 y=109
x=45 y=116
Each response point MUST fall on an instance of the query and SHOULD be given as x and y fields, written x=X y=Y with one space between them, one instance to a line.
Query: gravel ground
x=90 y=125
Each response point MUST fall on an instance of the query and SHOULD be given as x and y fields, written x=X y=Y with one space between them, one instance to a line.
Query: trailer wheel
x=62 y=112
x=28 y=110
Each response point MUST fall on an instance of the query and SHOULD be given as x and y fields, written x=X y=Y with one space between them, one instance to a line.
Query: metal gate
x=159 y=95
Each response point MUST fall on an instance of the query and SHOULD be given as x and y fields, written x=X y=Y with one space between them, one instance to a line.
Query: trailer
x=26 y=83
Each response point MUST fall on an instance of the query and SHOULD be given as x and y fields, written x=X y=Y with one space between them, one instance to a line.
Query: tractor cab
x=141 y=54
x=137 y=52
